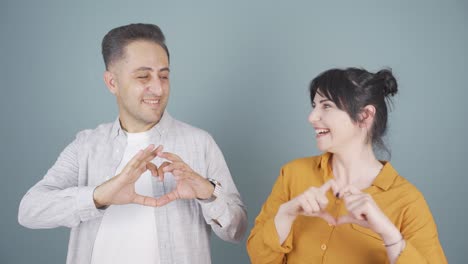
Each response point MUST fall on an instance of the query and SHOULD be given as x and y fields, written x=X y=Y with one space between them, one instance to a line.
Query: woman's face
x=335 y=131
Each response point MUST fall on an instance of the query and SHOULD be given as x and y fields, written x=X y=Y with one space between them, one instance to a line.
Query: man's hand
x=190 y=184
x=121 y=188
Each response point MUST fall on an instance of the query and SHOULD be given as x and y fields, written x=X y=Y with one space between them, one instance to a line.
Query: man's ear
x=110 y=81
x=366 y=117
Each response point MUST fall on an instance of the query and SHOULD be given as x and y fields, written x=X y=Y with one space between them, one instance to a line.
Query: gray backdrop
x=240 y=70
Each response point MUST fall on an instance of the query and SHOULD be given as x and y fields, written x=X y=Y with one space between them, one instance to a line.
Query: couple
x=148 y=188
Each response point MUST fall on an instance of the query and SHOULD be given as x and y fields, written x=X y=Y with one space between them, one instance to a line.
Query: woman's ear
x=366 y=117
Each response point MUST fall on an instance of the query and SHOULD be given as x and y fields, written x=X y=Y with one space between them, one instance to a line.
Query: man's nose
x=155 y=87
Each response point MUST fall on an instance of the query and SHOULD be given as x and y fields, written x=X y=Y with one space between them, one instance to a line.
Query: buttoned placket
x=163 y=228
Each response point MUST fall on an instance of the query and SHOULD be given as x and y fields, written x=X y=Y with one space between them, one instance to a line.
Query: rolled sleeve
x=86 y=208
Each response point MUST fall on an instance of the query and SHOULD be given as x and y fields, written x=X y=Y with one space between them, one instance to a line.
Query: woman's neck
x=358 y=167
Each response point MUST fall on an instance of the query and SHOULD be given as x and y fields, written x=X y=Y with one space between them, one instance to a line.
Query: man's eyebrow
x=143 y=69
x=151 y=69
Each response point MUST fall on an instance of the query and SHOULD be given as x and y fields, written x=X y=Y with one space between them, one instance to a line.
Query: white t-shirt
x=127 y=233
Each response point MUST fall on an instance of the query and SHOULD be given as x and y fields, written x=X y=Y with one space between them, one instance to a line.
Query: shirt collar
x=162 y=127
x=384 y=179
x=386 y=176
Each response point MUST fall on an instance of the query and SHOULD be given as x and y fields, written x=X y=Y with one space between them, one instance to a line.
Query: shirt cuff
x=271 y=238
x=86 y=208
x=216 y=210
x=410 y=255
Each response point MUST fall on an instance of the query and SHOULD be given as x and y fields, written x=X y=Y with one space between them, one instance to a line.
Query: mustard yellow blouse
x=312 y=240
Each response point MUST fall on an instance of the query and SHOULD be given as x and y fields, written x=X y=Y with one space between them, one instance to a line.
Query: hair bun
x=390 y=86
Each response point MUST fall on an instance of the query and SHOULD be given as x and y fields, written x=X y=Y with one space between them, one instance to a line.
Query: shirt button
x=323 y=247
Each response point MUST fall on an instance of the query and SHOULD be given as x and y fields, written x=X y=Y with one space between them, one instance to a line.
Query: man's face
x=140 y=82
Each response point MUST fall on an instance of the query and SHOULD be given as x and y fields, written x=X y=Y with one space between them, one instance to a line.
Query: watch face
x=214 y=182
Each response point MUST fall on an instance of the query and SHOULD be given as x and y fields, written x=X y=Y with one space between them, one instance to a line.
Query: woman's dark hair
x=115 y=41
x=352 y=89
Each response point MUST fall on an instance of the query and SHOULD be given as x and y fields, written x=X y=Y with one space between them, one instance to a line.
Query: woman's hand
x=312 y=202
x=363 y=210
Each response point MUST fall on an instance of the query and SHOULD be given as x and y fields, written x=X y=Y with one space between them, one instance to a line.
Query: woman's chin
x=323 y=148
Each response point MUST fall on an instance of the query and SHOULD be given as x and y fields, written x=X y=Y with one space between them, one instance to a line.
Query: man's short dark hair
x=115 y=41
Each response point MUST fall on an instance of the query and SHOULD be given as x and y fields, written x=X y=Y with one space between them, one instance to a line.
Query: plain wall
x=240 y=70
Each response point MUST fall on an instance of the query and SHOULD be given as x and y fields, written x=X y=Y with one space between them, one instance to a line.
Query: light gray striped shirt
x=64 y=197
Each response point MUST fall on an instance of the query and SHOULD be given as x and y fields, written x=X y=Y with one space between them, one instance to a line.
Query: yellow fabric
x=312 y=240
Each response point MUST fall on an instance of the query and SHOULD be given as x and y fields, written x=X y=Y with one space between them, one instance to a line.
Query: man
x=125 y=200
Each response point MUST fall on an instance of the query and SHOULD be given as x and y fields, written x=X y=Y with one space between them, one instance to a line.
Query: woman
x=346 y=206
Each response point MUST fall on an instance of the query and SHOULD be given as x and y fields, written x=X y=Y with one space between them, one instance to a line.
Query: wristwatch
x=217 y=187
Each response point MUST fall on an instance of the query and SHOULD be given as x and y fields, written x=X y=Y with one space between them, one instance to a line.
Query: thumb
x=325 y=216
x=167 y=198
x=145 y=200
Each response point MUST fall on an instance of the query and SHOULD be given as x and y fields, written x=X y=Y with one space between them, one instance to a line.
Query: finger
x=175 y=165
x=133 y=170
x=140 y=170
x=132 y=163
x=147 y=152
x=348 y=199
x=358 y=210
x=311 y=199
x=181 y=169
x=149 y=156
x=182 y=175
x=354 y=204
x=159 y=149
x=145 y=200
x=149 y=148
x=335 y=187
x=315 y=206
x=169 y=156
x=179 y=173
x=347 y=190
x=161 y=170
x=167 y=198
x=152 y=168
x=136 y=161
x=304 y=205
x=347 y=219
x=142 y=165
x=322 y=200
x=326 y=186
